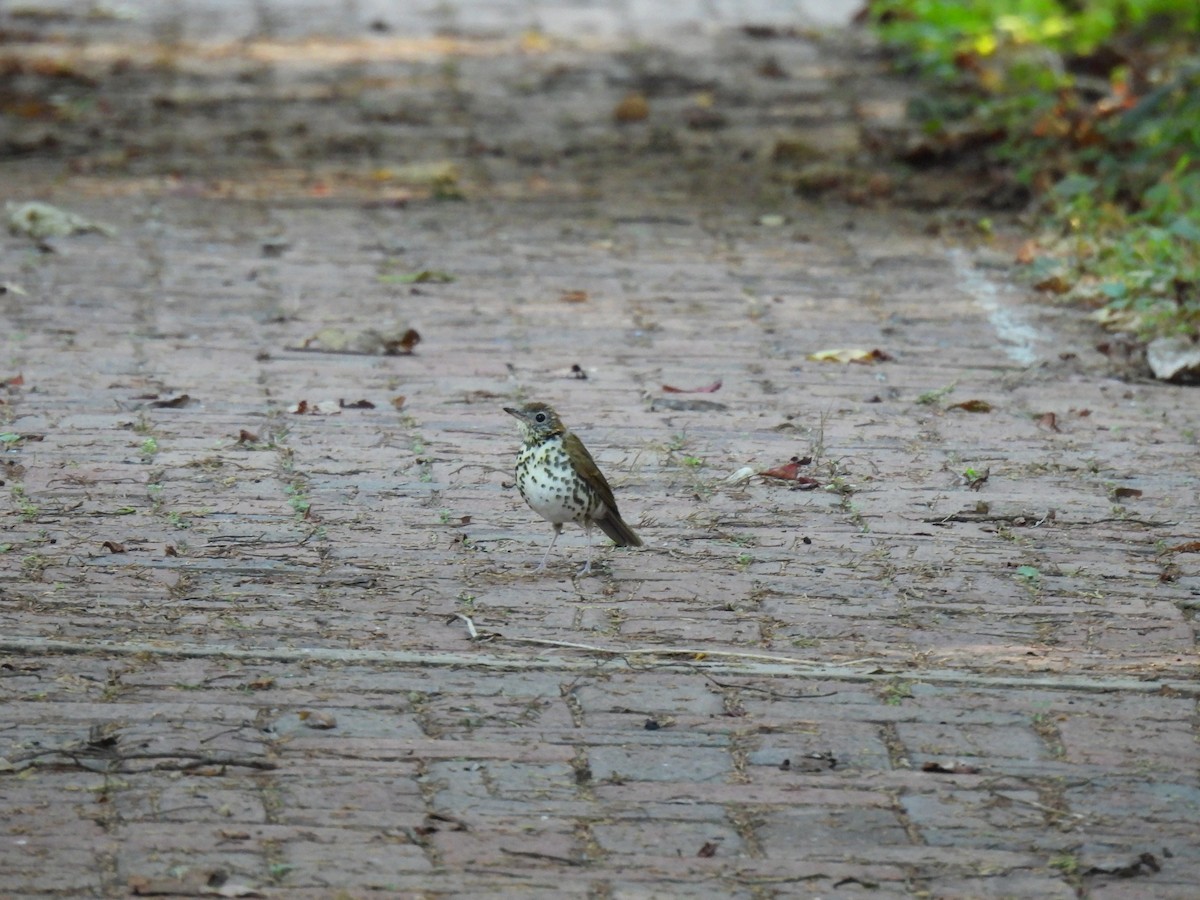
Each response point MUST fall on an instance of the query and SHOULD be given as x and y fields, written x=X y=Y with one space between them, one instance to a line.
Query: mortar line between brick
x=784 y=668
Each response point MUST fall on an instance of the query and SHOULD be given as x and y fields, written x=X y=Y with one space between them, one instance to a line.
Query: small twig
x=115 y=762
x=566 y=861
x=762 y=690
x=660 y=651
x=1043 y=807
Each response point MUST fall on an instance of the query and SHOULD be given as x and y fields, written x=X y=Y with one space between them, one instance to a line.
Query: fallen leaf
x=851 y=355
x=15 y=380
x=368 y=342
x=972 y=406
x=742 y=475
x=172 y=403
x=1053 y=284
x=357 y=404
x=265 y=683
x=534 y=41
x=319 y=720
x=708 y=850
x=954 y=767
x=573 y=296
x=1143 y=864
x=790 y=471
x=455 y=823
x=1175 y=358
x=1027 y=252
x=578 y=372
x=1189 y=547
x=708 y=389
x=113 y=547
x=632 y=108
x=247 y=437
x=398 y=401
x=170 y=550
x=435 y=174
x=1048 y=420
x=975 y=480
x=320 y=408
x=1122 y=493
x=41 y=220
x=405 y=345
x=190 y=883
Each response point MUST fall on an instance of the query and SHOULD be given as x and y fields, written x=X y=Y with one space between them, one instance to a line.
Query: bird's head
x=537 y=420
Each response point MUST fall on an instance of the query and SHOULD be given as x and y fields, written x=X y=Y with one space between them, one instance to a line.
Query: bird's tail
x=614 y=526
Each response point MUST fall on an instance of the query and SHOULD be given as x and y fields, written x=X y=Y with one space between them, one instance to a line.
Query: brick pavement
x=876 y=702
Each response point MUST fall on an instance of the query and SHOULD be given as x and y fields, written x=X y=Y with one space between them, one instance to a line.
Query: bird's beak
x=513 y=412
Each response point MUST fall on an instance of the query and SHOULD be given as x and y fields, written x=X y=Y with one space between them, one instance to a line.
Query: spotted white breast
x=548 y=483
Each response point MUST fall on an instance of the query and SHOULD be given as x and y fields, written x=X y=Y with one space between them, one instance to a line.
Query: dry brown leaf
x=1048 y=420
x=172 y=403
x=632 y=108
x=321 y=721
x=1054 y=284
x=790 y=471
x=320 y=408
x=370 y=341
x=851 y=355
x=573 y=296
x=408 y=341
x=973 y=406
x=1027 y=252
x=953 y=767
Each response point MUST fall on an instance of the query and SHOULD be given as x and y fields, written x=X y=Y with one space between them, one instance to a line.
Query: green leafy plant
x=1095 y=108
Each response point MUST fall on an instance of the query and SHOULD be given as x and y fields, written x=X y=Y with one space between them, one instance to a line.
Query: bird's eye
x=540 y=418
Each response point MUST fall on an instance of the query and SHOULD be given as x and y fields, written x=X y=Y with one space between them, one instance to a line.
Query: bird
x=561 y=482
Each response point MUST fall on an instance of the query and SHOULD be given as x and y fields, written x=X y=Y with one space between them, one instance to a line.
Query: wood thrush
x=561 y=482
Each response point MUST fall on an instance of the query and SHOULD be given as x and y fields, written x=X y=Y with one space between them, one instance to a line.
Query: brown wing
x=589 y=470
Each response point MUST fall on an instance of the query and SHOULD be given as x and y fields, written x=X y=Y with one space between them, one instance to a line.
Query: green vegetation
x=1094 y=107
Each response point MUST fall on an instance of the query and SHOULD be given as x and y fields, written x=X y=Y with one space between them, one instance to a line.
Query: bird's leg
x=587 y=566
x=546 y=558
